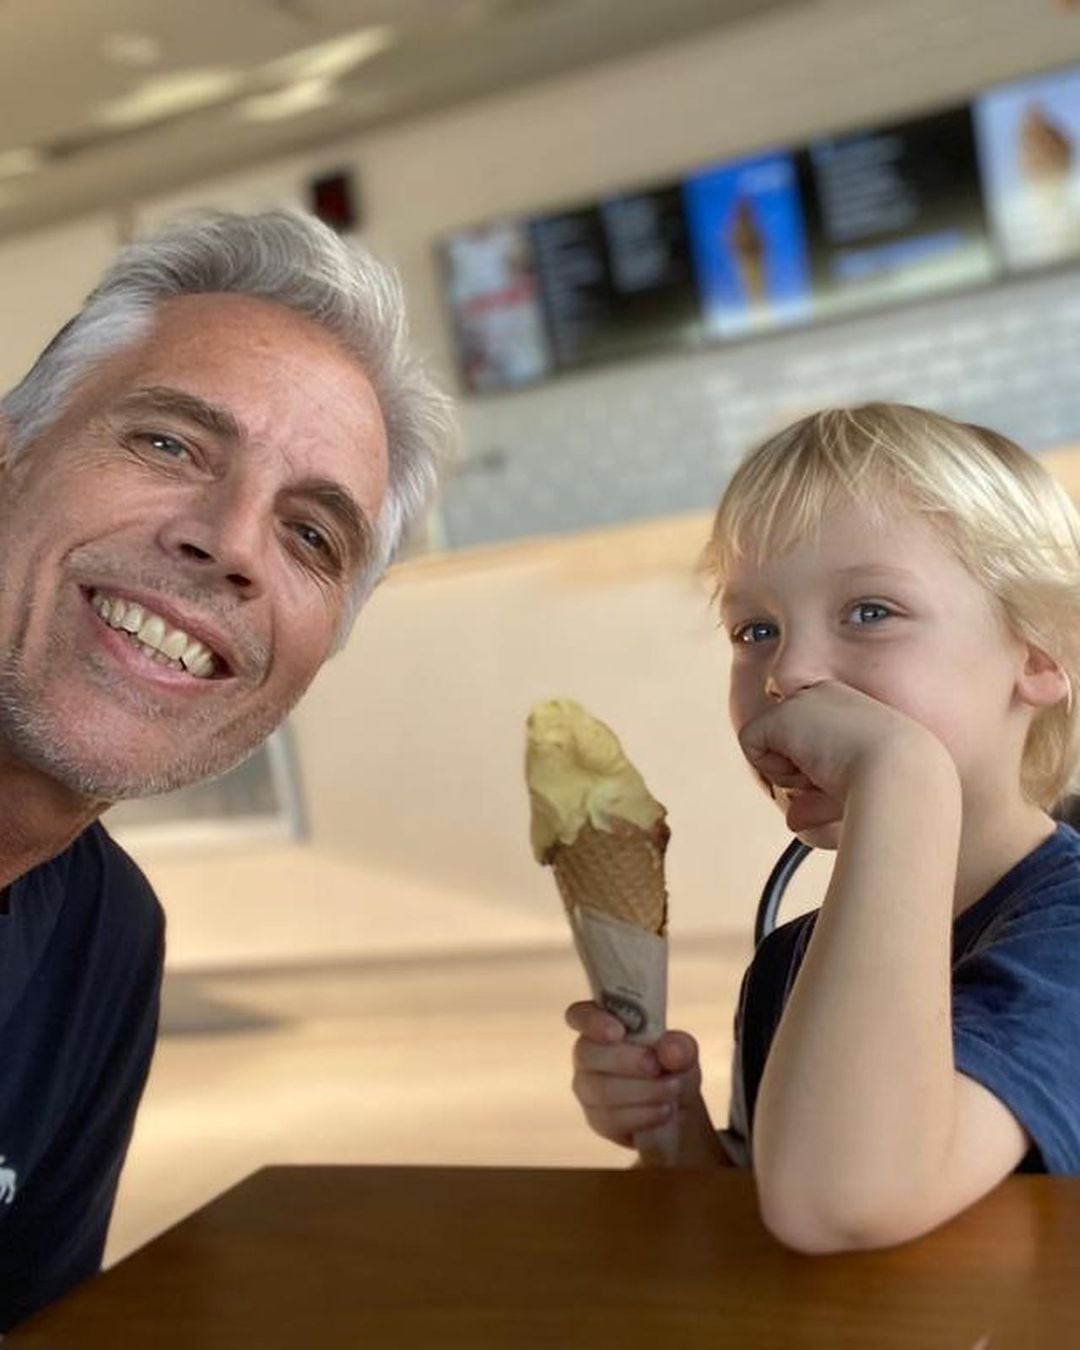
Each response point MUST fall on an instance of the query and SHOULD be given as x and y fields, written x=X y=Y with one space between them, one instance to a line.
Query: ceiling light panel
x=335 y=57
x=293 y=101
x=168 y=95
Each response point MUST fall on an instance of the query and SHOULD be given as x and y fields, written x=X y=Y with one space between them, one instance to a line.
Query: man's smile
x=169 y=646
x=168 y=641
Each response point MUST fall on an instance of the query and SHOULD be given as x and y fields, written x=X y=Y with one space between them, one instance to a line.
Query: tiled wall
x=649 y=438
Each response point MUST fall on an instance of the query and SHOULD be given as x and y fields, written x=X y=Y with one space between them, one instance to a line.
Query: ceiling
x=105 y=100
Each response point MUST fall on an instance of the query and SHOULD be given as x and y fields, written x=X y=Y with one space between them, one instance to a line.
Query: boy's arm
x=699 y=1143
x=625 y=1087
x=864 y=1134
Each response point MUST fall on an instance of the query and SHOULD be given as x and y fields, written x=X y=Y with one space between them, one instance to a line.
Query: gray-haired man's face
x=177 y=550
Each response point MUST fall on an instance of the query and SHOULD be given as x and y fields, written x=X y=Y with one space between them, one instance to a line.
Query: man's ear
x=1042 y=682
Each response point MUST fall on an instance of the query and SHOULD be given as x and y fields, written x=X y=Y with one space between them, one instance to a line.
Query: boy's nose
x=791 y=672
x=778 y=690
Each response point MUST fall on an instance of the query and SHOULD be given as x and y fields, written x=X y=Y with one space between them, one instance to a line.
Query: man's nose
x=219 y=537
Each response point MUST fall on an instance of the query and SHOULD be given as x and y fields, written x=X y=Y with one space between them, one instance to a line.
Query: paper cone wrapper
x=626 y=968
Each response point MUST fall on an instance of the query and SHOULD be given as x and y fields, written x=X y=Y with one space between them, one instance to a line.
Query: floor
x=462 y=1060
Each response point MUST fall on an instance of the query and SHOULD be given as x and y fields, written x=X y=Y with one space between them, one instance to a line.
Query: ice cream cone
x=618 y=871
x=604 y=834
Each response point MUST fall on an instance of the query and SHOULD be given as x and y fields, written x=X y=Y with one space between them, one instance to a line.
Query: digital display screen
x=1029 y=152
x=494 y=293
x=895 y=213
x=748 y=235
x=755 y=244
x=616 y=277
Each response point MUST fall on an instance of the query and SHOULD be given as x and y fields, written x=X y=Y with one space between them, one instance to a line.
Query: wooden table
x=320 y=1258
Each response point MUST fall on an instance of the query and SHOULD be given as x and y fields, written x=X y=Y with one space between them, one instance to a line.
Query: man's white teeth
x=174 y=644
x=152 y=632
x=170 y=646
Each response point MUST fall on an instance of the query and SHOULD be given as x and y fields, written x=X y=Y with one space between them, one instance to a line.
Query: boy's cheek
x=746 y=700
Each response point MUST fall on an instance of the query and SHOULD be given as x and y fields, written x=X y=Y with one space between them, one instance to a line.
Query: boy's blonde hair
x=1005 y=517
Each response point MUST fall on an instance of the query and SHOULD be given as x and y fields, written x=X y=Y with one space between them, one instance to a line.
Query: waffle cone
x=619 y=872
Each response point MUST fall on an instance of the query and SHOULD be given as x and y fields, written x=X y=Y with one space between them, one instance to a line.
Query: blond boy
x=902 y=594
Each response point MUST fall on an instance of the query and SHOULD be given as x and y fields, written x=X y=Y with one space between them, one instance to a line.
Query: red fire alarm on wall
x=333 y=198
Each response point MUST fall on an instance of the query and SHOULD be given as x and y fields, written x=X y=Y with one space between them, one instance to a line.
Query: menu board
x=494 y=294
x=748 y=234
x=769 y=240
x=616 y=277
x=895 y=213
x=1029 y=150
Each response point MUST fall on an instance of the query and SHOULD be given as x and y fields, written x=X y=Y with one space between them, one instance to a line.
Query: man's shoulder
x=110 y=883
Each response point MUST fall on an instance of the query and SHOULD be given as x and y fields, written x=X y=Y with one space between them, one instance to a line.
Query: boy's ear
x=1042 y=681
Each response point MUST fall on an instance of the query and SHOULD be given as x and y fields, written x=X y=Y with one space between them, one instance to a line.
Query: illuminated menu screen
x=616 y=277
x=773 y=239
x=895 y=213
x=748 y=234
x=494 y=293
x=1029 y=149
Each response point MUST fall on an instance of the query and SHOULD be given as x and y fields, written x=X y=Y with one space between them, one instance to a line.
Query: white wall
x=43 y=278
x=410 y=741
x=819 y=66
x=660 y=436
x=412 y=748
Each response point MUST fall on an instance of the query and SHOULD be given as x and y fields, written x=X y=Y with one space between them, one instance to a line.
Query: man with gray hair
x=202 y=478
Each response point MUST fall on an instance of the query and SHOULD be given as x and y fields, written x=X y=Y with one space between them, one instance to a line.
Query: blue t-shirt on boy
x=1015 y=1003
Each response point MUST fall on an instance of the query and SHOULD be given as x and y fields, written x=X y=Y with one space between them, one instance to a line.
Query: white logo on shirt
x=8 y=1183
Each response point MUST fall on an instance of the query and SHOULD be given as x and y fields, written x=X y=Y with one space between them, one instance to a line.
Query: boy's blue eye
x=868 y=612
x=758 y=630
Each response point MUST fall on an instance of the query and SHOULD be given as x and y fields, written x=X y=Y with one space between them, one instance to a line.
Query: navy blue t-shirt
x=1015 y=1003
x=81 y=949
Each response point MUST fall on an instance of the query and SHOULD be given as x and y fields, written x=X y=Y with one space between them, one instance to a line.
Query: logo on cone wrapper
x=629 y=1012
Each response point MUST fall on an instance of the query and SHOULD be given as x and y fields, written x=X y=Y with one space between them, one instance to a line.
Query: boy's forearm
x=855 y=1109
x=698 y=1143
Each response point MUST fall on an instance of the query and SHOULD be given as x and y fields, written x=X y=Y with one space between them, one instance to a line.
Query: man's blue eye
x=169 y=445
x=313 y=538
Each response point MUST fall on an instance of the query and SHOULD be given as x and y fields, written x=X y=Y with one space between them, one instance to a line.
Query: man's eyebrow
x=324 y=492
x=343 y=506
x=161 y=398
